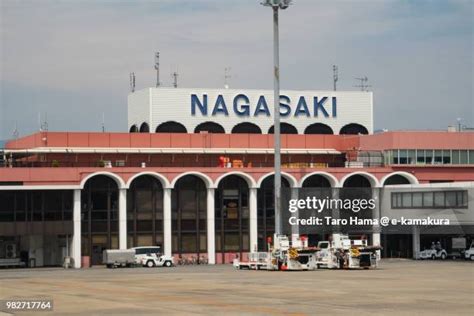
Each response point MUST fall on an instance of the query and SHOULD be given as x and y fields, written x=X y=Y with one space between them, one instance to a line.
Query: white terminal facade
x=230 y=107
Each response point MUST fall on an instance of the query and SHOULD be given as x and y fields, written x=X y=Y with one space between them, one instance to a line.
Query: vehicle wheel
x=168 y=264
x=433 y=257
x=443 y=256
x=318 y=266
x=472 y=257
x=150 y=264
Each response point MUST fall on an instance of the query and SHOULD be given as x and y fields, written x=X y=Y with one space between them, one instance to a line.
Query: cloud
x=75 y=57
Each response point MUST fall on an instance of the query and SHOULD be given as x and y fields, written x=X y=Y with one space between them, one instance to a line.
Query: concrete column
x=416 y=241
x=336 y=230
x=167 y=246
x=376 y=214
x=253 y=220
x=76 y=233
x=122 y=218
x=294 y=228
x=211 y=228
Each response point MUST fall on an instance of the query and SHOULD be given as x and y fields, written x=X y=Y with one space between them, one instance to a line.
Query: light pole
x=276 y=5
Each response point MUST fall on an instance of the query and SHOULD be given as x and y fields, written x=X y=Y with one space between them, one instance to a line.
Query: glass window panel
x=403 y=159
x=188 y=243
x=471 y=156
x=395 y=157
x=411 y=156
x=438 y=156
x=417 y=199
x=464 y=199
x=144 y=240
x=420 y=156
x=450 y=199
x=429 y=156
x=232 y=242
x=463 y=157
x=446 y=156
x=406 y=200
x=456 y=157
x=428 y=199
x=439 y=199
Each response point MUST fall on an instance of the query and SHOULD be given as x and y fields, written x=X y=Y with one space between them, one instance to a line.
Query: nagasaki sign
x=241 y=105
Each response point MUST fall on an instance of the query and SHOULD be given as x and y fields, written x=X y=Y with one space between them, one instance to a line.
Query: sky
x=70 y=61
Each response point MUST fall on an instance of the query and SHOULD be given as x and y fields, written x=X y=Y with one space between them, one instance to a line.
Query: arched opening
x=99 y=214
x=246 y=128
x=398 y=245
x=318 y=128
x=316 y=181
x=320 y=187
x=285 y=128
x=145 y=212
x=266 y=210
x=396 y=179
x=188 y=217
x=209 y=127
x=357 y=188
x=171 y=127
x=133 y=129
x=144 y=128
x=232 y=218
x=353 y=129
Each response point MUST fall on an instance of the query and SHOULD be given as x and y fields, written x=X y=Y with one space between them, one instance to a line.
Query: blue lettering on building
x=319 y=105
x=196 y=102
x=261 y=107
x=220 y=106
x=285 y=106
x=244 y=109
x=242 y=106
x=302 y=108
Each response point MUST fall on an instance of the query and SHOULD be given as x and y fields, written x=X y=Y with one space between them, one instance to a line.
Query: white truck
x=345 y=253
x=469 y=253
x=154 y=260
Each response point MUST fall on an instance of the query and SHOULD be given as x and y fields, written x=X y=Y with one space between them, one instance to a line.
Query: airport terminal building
x=193 y=174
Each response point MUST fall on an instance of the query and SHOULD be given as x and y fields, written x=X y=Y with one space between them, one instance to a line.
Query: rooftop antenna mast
x=44 y=124
x=175 y=78
x=103 y=122
x=132 y=82
x=227 y=76
x=157 y=68
x=363 y=84
x=335 y=76
x=15 y=131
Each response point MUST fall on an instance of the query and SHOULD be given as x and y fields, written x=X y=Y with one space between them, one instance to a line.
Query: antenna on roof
x=132 y=82
x=335 y=76
x=44 y=124
x=175 y=78
x=157 y=68
x=227 y=76
x=15 y=133
x=363 y=84
x=103 y=122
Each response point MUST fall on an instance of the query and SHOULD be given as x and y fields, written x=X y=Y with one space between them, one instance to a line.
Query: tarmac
x=397 y=287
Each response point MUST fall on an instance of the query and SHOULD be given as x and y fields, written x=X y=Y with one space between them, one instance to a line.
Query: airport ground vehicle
x=433 y=254
x=345 y=253
x=154 y=260
x=114 y=258
x=469 y=253
x=143 y=252
x=283 y=255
